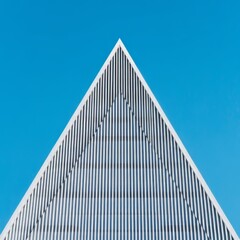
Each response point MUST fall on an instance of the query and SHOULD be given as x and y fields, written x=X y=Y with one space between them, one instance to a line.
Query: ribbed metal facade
x=118 y=171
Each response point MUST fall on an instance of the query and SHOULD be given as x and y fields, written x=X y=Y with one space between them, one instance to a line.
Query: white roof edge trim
x=71 y=121
x=58 y=142
x=184 y=150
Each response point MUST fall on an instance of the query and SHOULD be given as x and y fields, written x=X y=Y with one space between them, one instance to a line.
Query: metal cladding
x=118 y=171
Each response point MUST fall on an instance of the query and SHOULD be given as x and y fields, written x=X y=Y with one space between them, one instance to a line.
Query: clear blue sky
x=188 y=52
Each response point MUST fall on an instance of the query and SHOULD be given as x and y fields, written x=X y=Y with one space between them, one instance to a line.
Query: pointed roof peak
x=75 y=119
x=119 y=41
x=119 y=44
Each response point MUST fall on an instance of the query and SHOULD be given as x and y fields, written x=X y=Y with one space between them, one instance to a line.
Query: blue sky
x=188 y=52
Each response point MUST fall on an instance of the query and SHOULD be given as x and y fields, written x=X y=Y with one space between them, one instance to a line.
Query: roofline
x=71 y=121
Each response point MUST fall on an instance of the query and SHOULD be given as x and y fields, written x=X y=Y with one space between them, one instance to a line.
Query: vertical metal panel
x=118 y=173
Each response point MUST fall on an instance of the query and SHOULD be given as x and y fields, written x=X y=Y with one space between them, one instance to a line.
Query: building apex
x=118 y=128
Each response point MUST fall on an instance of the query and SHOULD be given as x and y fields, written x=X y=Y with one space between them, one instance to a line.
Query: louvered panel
x=119 y=171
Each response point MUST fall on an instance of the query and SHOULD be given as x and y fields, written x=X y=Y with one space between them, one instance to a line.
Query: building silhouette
x=118 y=171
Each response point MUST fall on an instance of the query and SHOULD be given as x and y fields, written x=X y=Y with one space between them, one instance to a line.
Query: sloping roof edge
x=71 y=121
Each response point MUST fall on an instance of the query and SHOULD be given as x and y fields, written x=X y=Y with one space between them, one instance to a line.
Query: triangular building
x=118 y=171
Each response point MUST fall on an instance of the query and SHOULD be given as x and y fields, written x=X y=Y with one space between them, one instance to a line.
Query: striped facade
x=118 y=171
